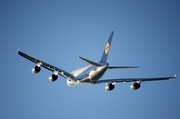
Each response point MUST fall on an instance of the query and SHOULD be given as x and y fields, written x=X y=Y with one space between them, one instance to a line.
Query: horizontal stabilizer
x=91 y=62
x=115 y=67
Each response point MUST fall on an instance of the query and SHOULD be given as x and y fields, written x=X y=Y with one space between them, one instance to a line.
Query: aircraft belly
x=94 y=76
x=87 y=80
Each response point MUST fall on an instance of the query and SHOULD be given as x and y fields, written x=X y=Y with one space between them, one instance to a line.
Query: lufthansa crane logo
x=107 y=48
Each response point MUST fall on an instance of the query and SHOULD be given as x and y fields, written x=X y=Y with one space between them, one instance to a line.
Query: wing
x=48 y=66
x=121 y=80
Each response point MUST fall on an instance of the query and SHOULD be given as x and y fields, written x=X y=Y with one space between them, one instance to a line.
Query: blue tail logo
x=107 y=48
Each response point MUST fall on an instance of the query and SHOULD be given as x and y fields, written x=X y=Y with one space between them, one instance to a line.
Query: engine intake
x=36 y=69
x=135 y=86
x=109 y=87
x=53 y=77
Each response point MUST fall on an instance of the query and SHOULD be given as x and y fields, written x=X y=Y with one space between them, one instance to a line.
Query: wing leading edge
x=121 y=80
x=50 y=67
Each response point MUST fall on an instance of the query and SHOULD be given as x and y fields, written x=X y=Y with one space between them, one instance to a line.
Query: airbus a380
x=92 y=73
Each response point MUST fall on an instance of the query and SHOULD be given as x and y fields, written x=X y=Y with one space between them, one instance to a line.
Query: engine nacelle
x=36 y=69
x=53 y=77
x=109 y=87
x=135 y=86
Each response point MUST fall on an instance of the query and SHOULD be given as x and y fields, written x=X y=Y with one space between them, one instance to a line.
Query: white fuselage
x=87 y=75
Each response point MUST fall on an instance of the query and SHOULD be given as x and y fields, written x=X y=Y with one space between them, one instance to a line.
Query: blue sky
x=146 y=33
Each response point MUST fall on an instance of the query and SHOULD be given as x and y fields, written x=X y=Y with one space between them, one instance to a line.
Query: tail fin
x=107 y=48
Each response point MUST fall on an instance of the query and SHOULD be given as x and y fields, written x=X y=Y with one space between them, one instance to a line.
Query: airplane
x=92 y=73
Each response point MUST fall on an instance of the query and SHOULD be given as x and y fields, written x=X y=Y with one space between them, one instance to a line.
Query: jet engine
x=109 y=86
x=53 y=77
x=135 y=85
x=36 y=69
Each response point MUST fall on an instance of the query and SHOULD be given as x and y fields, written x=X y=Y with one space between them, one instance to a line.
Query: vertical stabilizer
x=107 y=48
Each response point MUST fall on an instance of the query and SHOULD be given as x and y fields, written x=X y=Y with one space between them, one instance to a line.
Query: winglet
x=174 y=76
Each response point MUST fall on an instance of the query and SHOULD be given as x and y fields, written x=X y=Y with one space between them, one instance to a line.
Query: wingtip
x=79 y=57
x=18 y=50
x=174 y=76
